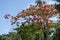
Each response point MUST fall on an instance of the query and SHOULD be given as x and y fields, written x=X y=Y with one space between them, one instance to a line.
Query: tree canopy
x=37 y=25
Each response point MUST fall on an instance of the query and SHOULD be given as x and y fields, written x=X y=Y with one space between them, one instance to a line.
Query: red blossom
x=48 y=24
x=46 y=19
x=7 y=15
x=19 y=15
x=55 y=11
x=14 y=18
x=49 y=15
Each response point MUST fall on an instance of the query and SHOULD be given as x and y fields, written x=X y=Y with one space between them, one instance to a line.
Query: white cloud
x=49 y=1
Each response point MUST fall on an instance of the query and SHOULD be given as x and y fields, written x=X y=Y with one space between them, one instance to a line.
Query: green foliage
x=29 y=32
x=38 y=2
x=57 y=0
x=57 y=6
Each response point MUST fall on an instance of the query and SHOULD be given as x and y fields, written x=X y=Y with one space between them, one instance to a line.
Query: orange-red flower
x=46 y=19
x=7 y=15
x=46 y=12
x=48 y=24
x=55 y=11
x=15 y=18
x=19 y=15
x=40 y=23
x=49 y=15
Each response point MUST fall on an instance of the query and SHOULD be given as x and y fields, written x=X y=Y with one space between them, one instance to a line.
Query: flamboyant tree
x=38 y=14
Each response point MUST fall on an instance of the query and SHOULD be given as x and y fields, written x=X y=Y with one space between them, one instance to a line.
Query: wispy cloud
x=49 y=1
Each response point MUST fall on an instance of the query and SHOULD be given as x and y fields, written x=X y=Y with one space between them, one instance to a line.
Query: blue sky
x=12 y=7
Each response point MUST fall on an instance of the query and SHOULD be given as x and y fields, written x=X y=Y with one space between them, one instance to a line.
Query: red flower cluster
x=7 y=16
x=42 y=12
